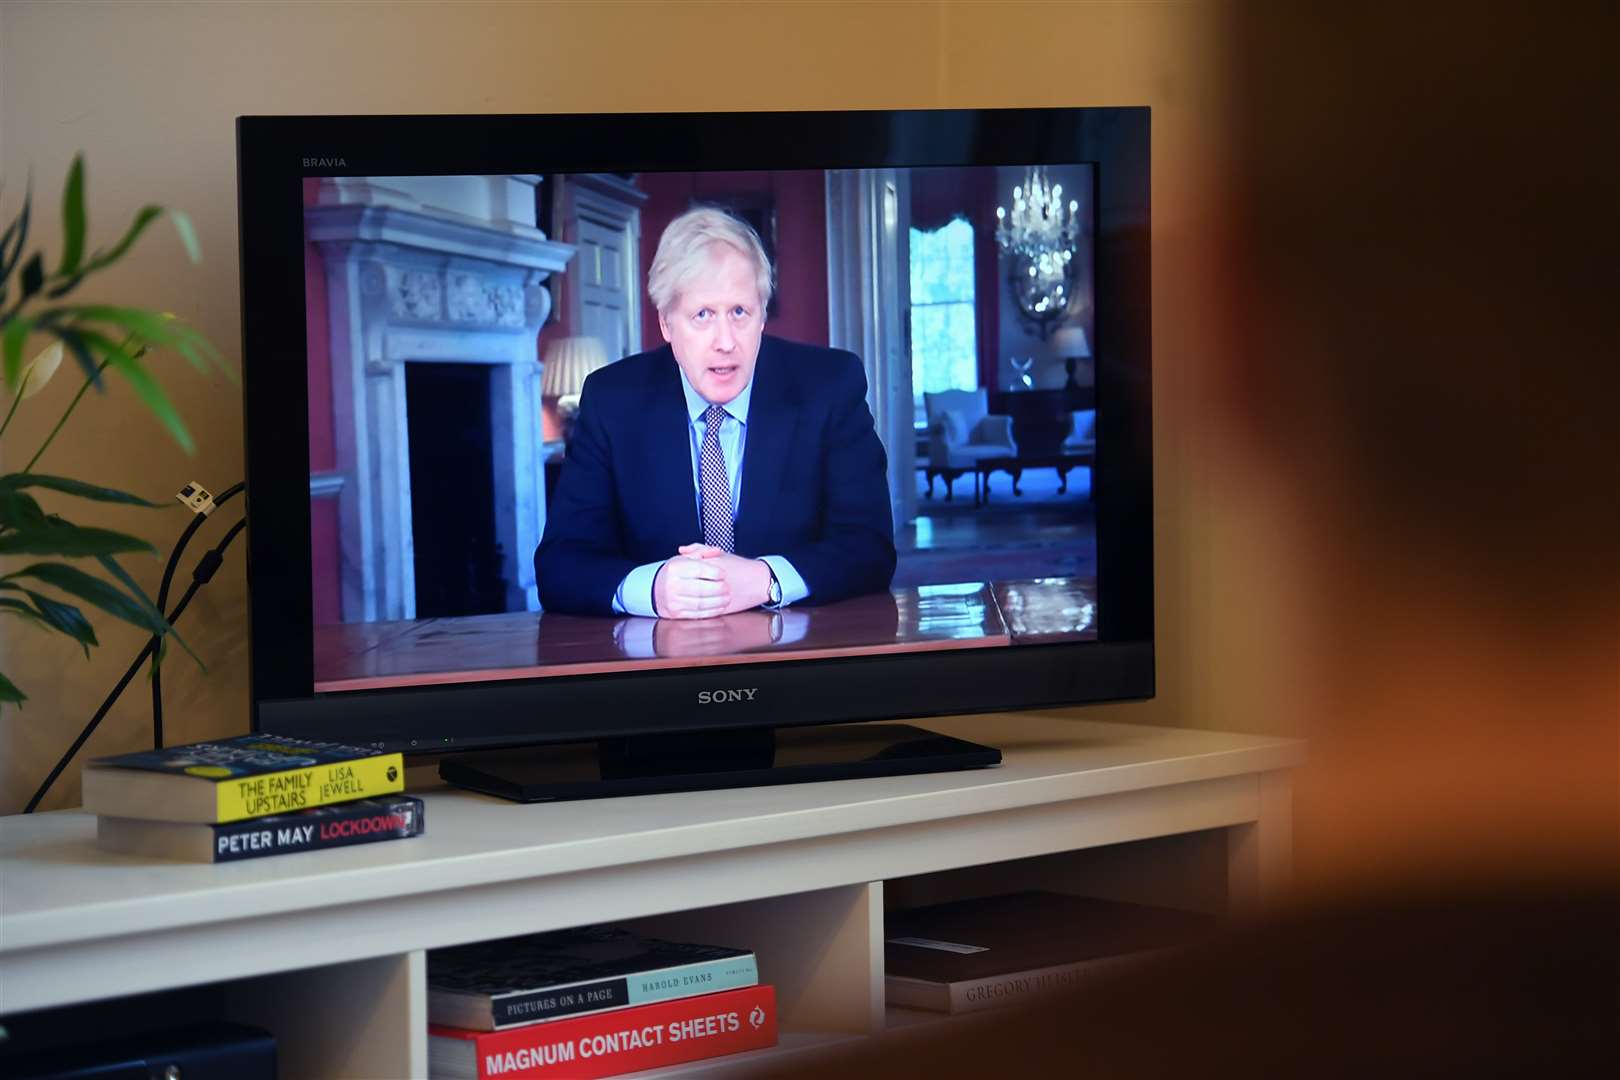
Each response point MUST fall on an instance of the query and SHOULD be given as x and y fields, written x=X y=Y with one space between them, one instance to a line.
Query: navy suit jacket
x=814 y=486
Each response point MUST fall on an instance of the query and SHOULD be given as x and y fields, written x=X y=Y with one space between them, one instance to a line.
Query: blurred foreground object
x=1409 y=255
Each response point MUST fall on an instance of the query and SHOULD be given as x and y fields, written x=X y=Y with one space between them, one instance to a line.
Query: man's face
x=715 y=324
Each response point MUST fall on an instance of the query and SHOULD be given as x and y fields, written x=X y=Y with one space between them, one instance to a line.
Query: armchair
x=1082 y=437
x=1081 y=447
x=961 y=433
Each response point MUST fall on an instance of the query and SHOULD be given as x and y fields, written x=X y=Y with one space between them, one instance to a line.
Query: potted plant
x=51 y=567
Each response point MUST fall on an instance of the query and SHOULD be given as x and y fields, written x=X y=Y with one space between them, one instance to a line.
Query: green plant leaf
x=188 y=234
x=11 y=244
x=68 y=486
x=19 y=511
x=33 y=276
x=81 y=353
x=154 y=328
x=135 y=589
x=66 y=619
x=73 y=218
x=143 y=217
x=17 y=329
x=63 y=286
x=21 y=609
x=95 y=591
x=146 y=388
x=72 y=541
x=9 y=694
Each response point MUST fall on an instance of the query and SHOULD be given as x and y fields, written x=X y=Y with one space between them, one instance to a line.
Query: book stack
x=596 y=1001
x=248 y=797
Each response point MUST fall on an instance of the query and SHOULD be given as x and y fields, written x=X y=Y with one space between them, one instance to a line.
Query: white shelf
x=795 y=872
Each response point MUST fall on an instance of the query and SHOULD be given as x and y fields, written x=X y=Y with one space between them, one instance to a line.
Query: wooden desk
x=526 y=645
x=1048 y=610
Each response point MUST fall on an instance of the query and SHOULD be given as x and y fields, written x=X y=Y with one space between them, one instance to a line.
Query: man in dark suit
x=724 y=471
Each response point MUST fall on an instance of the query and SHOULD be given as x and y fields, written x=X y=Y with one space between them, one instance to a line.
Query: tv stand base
x=695 y=761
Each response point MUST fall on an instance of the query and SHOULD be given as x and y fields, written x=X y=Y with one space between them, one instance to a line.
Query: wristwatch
x=773 y=594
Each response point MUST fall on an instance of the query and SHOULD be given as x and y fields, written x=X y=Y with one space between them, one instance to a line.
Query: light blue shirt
x=634 y=595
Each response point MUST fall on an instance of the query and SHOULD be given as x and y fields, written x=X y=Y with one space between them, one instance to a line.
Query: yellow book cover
x=317 y=785
x=247 y=776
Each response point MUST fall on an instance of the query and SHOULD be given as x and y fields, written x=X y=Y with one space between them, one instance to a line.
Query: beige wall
x=149 y=91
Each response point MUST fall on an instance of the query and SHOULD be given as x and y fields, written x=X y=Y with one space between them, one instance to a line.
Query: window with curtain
x=944 y=353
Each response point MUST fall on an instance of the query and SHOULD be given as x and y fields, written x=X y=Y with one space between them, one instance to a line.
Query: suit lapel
x=668 y=456
x=771 y=417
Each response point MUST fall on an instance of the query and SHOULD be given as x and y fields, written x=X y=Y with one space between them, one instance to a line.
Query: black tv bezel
x=276 y=153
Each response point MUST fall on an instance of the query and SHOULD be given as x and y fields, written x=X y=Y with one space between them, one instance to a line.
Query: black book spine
x=336 y=826
x=565 y=1001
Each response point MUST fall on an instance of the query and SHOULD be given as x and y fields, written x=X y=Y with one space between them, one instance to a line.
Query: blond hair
x=687 y=247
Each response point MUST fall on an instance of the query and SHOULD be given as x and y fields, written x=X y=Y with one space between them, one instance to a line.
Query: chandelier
x=1040 y=237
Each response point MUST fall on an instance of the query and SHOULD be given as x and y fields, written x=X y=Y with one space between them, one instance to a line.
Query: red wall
x=323 y=538
x=801 y=240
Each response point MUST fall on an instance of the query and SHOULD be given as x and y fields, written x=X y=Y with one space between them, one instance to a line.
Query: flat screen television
x=864 y=394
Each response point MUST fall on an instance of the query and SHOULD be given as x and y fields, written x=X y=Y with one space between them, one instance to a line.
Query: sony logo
x=325 y=163
x=718 y=697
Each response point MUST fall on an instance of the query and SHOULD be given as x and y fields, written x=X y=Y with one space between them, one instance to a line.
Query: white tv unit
x=328 y=949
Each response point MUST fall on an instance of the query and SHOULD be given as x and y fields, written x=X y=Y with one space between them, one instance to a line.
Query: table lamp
x=567 y=362
x=1071 y=344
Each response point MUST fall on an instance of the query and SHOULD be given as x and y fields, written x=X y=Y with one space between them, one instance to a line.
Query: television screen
x=848 y=397
x=478 y=449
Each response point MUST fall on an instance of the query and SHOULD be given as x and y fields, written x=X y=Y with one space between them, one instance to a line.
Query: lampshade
x=1071 y=341
x=567 y=362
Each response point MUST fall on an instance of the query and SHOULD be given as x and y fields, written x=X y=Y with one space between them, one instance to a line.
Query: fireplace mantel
x=443 y=269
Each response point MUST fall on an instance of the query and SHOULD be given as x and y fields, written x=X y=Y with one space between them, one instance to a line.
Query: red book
x=610 y=1043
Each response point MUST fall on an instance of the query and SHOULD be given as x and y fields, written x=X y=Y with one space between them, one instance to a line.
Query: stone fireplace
x=443 y=270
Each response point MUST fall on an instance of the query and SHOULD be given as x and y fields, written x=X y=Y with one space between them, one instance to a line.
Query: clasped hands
x=701 y=582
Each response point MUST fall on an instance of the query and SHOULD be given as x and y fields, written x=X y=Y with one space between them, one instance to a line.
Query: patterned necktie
x=712 y=480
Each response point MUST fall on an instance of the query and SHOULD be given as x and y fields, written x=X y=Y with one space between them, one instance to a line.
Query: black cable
x=163 y=598
x=207 y=566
